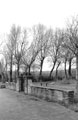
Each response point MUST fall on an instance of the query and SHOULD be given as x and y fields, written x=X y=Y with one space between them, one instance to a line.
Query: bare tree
x=58 y=64
x=70 y=58
x=44 y=46
x=55 y=49
x=71 y=41
x=30 y=56
x=12 y=38
x=32 y=52
x=6 y=58
x=20 y=50
x=64 y=58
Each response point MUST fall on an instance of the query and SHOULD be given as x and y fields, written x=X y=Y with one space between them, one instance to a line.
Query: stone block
x=44 y=93
x=18 y=85
x=71 y=96
x=57 y=95
x=50 y=94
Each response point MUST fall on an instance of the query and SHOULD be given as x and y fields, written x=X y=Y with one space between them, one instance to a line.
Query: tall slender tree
x=71 y=41
x=55 y=48
x=11 y=44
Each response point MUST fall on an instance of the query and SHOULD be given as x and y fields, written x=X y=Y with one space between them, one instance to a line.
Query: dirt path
x=17 y=106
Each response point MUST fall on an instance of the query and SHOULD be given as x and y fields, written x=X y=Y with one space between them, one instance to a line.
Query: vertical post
x=26 y=85
x=77 y=73
x=18 y=85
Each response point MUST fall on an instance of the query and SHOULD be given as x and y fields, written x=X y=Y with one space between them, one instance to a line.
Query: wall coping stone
x=54 y=87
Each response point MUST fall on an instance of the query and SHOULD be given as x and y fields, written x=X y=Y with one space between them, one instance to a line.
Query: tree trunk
x=15 y=74
x=57 y=69
x=18 y=69
x=6 y=72
x=6 y=67
x=69 y=70
x=41 y=66
x=11 y=69
x=29 y=69
x=65 y=69
x=77 y=67
x=52 y=69
x=77 y=73
x=26 y=70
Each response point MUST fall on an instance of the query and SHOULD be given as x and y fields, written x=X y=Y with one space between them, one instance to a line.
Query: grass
x=45 y=75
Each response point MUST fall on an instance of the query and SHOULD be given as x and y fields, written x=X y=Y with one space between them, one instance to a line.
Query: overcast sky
x=26 y=13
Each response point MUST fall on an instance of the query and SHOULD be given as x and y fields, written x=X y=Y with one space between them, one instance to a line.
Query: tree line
x=58 y=46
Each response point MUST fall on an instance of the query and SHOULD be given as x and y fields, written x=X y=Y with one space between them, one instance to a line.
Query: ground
x=17 y=106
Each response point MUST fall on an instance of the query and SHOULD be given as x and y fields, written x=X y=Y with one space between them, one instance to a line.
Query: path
x=17 y=106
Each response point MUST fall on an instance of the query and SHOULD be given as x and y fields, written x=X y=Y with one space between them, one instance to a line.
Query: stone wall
x=17 y=86
x=11 y=85
x=50 y=93
x=58 y=95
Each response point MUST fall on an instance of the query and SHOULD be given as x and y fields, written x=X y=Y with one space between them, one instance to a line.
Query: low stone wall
x=53 y=94
x=11 y=85
x=26 y=85
x=50 y=93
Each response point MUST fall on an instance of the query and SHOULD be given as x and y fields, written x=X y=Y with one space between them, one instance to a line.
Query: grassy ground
x=45 y=74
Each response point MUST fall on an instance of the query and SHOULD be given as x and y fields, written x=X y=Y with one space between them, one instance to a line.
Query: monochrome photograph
x=38 y=60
